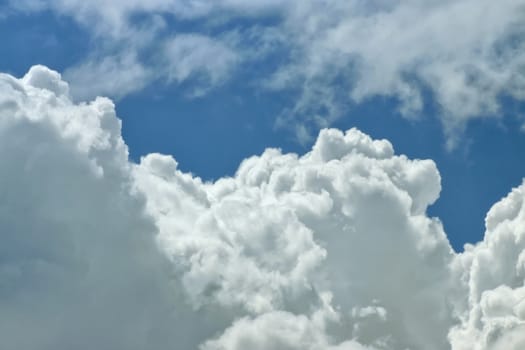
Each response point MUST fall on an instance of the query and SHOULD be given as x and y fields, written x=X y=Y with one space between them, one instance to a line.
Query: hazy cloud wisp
x=459 y=57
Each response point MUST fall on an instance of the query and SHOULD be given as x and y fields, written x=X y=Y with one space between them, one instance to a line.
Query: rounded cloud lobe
x=329 y=250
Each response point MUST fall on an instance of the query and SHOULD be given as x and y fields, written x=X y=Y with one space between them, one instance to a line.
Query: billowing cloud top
x=329 y=250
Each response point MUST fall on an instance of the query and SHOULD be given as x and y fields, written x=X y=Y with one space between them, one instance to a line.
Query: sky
x=262 y=174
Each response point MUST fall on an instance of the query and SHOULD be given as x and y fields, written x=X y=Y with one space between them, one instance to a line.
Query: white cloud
x=193 y=55
x=460 y=56
x=193 y=58
x=331 y=250
x=112 y=75
x=346 y=219
x=495 y=271
x=130 y=56
x=466 y=53
x=79 y=267
x=282 y=330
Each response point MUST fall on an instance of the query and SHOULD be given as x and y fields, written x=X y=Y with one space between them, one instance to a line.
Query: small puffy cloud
x=197 y=60
x=44 y=78
x=114 y=76
x=197 y=56
x=330 y=250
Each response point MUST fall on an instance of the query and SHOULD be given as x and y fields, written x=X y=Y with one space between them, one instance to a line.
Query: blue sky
x=263 y=174
x=210 y=134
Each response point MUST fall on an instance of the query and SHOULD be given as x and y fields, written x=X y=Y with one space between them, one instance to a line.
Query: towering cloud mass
x=495 y=274
x=329 y=250
x=79 y=268
x=342 y=228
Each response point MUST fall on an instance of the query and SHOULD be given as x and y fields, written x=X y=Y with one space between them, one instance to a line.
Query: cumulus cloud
x=330 y=250
x=79 y=266
x=495 y=273
x=347 y=219
x=461 y=57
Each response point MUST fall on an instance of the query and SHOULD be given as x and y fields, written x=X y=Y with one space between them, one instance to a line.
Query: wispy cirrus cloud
x=467 y=54
x=459 y=56
x=200 y=57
